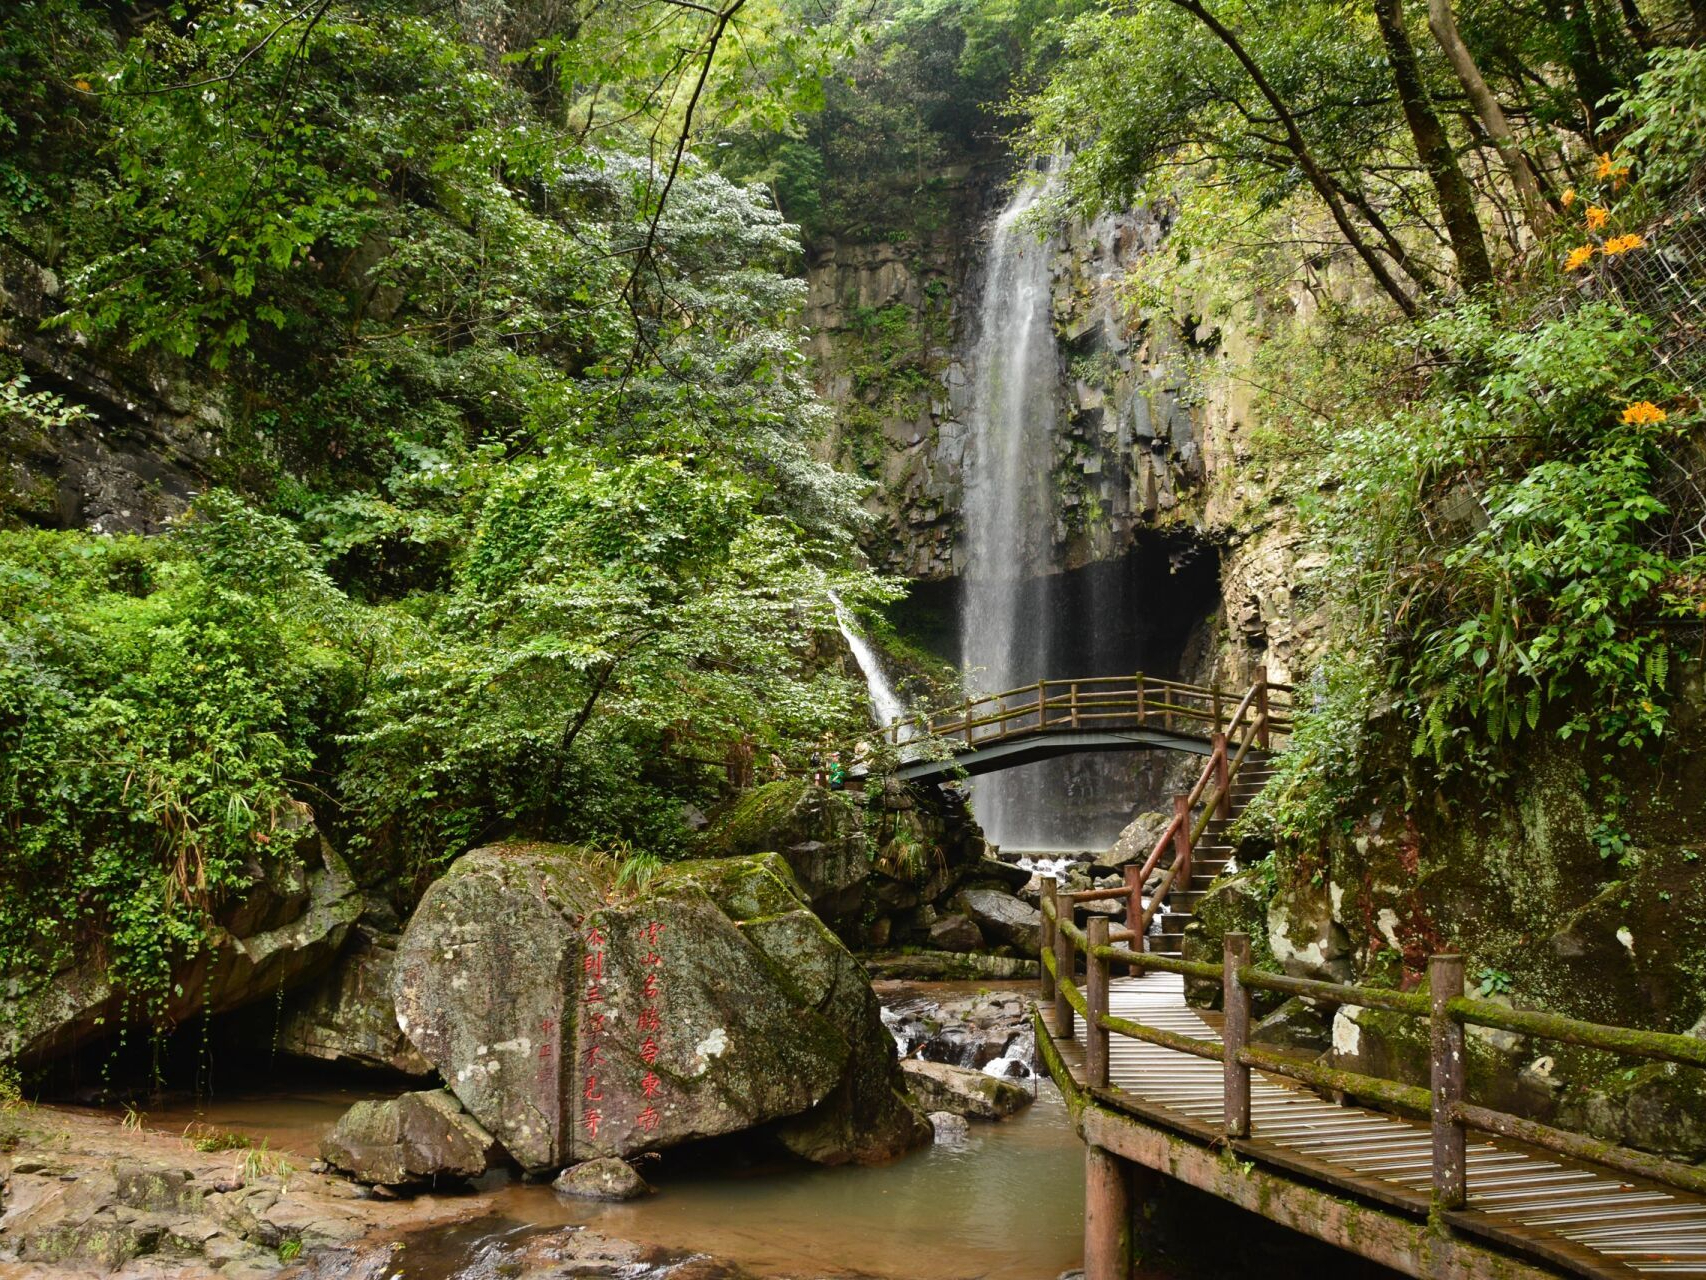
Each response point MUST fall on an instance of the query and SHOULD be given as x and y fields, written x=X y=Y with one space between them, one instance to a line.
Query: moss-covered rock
x=819 y=832
x=285 y=931
x=1659 y=1107
x=415 y=1138
x=1237 y=903
x=575 y=1020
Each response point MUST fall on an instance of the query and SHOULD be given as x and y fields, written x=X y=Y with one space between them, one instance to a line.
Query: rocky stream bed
x=90 y=1192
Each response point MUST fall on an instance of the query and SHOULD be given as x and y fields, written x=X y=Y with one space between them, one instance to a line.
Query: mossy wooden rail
x=1092 y=713
x=1419 y=1195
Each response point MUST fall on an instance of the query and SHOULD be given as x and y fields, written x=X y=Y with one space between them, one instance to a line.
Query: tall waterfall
x=1008 y=512
x=886 y=705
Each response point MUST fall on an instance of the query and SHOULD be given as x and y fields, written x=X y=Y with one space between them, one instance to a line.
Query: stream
x=1006 y=1204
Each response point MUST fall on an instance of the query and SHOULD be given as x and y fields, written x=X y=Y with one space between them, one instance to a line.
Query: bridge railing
x=1251 y=726
x=1445 y=1006
x=1094 y=703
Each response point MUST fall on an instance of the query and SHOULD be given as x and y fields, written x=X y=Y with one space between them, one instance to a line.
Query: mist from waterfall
x=886 y=705
x=1008 y=511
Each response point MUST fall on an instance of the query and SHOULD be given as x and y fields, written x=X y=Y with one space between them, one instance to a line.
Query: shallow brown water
x=1006 y=1205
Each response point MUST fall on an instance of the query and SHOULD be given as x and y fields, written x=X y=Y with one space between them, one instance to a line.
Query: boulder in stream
x=576 y=1020
x=604 y=1179
x=415 y=1138
x=1004 y=918
x=940 y=1087
x=956 y=933
x=950 y=1129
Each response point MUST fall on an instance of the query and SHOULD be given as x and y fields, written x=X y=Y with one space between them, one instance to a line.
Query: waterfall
x=1008 y=507
x=886 y=705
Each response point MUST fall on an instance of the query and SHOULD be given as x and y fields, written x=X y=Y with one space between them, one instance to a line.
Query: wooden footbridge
x=1099 y=713
x=1424 y=1180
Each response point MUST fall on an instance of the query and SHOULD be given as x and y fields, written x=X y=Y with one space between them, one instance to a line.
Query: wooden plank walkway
x=1575 y=1217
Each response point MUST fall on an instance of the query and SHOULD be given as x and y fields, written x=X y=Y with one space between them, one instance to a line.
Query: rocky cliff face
x=891 y=325
x=1151 y=440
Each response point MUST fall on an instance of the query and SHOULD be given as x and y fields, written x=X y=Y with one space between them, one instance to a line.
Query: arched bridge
x=1096 y=713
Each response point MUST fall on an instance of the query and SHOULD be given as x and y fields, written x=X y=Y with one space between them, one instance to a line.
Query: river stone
x=576 y=1022
x=1004 y=918
x=348 y=1016
x=950 y=1129
x=940 y=1087
x=992 y=873
x=955 y=933
x=417 y=1137
x=603 y=1179
x=1138 y=840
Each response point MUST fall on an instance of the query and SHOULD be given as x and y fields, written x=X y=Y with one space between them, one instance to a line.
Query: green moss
x=755 y=816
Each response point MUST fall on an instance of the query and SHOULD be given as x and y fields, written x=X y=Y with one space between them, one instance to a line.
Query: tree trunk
x=1443 y=23
x=1594 y=83
x=1306 y=160
x=1456 y=197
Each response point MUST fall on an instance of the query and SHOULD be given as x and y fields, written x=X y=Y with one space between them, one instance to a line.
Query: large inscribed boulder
x=577 y=1020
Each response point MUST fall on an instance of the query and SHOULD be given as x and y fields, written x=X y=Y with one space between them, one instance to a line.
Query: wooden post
x=1182 y=843
x=894 y=730
x=1445 y=982
x=1262 y=706
x=1235 y=1035
x=965 y=725
x=1222 y=778
x=1096 y=1004
x=1107 y=1216
x=1042 y=704
x=1072 y=703
x=1065 y=961
x=1214 y=701
x=1050 y=894
x=1142 y=712
x=1134 y=906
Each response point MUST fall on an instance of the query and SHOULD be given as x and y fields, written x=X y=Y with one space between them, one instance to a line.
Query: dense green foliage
x=161 y=702
x=1510 y=545
x=517 y=524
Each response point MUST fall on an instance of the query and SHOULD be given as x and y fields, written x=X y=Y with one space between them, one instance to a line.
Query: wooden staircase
x=1196 y=845
x=1209 y=857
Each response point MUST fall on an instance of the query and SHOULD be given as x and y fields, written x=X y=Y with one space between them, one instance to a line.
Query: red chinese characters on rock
x=592 y=1026
x=601 y=1016
x=649 y=1025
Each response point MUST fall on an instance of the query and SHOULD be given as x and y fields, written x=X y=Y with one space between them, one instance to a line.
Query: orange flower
x=1568 y=198
x=1579 y=258
x=1596 y=217
x=1643 y=413
x=1622 y=244
x=1607 y=169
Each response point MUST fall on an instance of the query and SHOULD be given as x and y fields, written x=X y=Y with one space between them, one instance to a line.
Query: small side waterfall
x=886 y=704
x=1008 y=512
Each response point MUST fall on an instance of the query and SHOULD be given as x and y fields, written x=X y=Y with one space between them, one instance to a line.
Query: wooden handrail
x=1136 y=698
x=1446 y=1008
